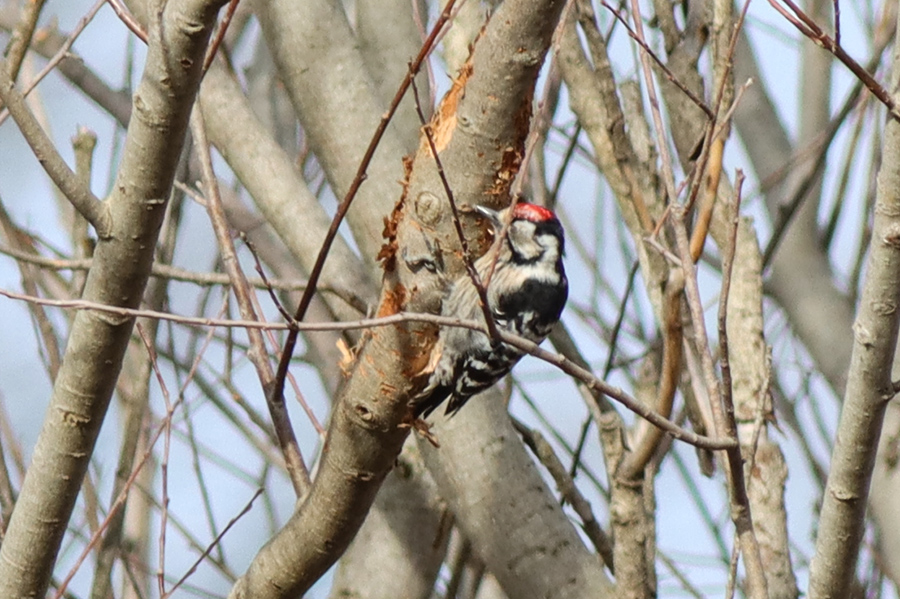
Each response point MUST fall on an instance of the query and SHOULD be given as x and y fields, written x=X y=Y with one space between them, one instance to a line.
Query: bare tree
x=251 y=303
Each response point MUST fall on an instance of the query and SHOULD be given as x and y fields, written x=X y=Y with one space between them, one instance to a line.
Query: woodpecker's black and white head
x=531 y=287
x=535 y=235
x=526 y=296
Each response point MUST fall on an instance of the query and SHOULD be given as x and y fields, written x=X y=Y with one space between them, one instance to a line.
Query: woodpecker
x=526 y=295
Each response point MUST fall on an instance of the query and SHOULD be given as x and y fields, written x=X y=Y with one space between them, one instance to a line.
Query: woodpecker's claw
x=423 y=429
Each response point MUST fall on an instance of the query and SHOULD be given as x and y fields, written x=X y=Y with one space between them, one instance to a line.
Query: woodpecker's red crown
x=532 y=213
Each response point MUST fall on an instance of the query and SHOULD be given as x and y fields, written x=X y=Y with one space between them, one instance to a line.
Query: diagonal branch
x=567 y=365
x=869 y=387
x=129 y=228
x=481 y=145
x=281 y=421
x=809 y=28
x=276 y=390
x=82 y=199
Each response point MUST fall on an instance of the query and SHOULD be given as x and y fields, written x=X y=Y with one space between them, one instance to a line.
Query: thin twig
x=297 y=470
x=808 y=27
x=564 y=166
x=659 y=63
x=525 y=345
x=164 y=462
x=277 y=389
x=724 y=421
x=275 y=345
x=790 y=205
x=466 y=256
x=220 y=34
x=116 y=506
x=648 y=440
x=569 y=491
x=262 y=273
x=60 y=54
x=732 y=569
x=53 y=348
x=727 y=265
x=129 y=20
x=205 y=279
x=87 y=204
x=676 y=572
x=661 y=142
x=837 y=21
x=713 y=147
x=610 y=357
x=215 y=542
x=852 y=148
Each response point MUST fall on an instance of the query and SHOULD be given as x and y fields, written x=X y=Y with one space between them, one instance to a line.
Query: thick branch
x=481 y=143
x=399 y=550
x=122 y=260
x=504 y=508
x=869 y=387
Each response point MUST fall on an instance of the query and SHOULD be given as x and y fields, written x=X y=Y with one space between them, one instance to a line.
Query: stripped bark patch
x=422 y=361
x=392 y=301
x=444 y=122
x=387 y=255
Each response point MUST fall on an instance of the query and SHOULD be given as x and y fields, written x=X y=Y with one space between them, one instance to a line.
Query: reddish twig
x=277 y=389
x=837 y=21
x=214 y=544
x=220 y=34
x=129 y=20
x=808 y=27
x=262 y=274
x=466 y=256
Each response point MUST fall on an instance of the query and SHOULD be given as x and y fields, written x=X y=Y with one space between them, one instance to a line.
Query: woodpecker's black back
x=526 y=296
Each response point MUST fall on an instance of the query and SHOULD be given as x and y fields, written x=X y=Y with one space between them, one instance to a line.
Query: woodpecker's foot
x=422 y=428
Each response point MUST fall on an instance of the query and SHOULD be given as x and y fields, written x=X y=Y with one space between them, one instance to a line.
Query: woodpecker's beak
x=491 y=215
